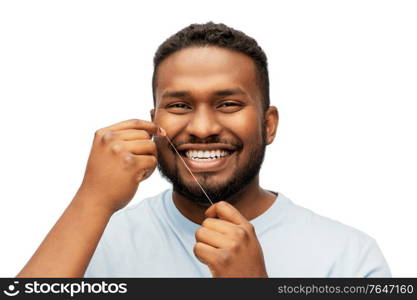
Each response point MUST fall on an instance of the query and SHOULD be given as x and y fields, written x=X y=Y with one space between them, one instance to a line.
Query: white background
x=343 y=76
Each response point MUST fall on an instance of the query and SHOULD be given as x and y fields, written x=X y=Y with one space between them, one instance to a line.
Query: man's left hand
x=227 y=244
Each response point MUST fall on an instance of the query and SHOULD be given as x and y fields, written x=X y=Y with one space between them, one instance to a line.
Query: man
x=211 y=101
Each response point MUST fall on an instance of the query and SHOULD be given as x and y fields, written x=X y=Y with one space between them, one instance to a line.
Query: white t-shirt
x=153 y=239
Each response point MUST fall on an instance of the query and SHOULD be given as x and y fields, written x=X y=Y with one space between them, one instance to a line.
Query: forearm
x=69 y=246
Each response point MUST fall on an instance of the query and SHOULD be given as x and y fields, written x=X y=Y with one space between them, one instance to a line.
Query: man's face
x=209 y=103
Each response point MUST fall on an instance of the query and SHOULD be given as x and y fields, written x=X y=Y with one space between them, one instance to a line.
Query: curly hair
x=219 y=35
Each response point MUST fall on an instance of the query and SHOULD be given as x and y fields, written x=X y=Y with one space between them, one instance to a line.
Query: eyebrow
x=229 y=92
x=219 y=93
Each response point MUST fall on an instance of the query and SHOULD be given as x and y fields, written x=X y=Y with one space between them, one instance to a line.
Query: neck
x=251 y=202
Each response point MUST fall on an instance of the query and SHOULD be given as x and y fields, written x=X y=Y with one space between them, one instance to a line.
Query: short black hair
x=219 y=35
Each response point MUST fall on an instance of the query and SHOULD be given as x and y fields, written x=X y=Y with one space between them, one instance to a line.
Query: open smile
x=206 y=158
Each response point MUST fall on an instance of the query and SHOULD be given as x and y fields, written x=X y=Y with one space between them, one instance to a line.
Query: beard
x=223 y=191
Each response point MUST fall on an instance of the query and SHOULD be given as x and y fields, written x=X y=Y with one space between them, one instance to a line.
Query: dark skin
x=124 y=154
x=205 y=91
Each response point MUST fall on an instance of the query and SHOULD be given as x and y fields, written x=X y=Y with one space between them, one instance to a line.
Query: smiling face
x=209 y=103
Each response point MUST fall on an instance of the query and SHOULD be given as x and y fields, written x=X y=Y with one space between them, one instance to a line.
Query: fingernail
x=162 y=131
x=143 y=176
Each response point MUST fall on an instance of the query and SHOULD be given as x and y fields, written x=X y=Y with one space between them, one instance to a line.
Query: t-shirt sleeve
x=371 y=261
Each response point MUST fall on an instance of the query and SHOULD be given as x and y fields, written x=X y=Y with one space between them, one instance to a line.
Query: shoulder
x=320 y=227
x=124 y=233
x=352 y=251
x=135 y=217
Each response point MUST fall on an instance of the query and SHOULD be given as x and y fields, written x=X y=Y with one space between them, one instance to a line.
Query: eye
x=178 y=108
x=229 y=107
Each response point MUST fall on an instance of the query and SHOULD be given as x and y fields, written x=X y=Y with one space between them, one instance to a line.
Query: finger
x=205 y=253
x=138 y=147
x=162 y=132
x=146 y=164
x=141 y=147
x=221 y=226
x=226 y=211
x=131 y=134
x=139 y=162
x=146 y=161
x=150 y=127
x=212 y=238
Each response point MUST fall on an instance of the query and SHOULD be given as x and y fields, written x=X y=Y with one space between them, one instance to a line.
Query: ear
x=152 y=112
x=271 y=123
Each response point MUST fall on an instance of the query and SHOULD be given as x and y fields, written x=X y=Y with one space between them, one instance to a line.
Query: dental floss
x=185 y=164
x=211 y=202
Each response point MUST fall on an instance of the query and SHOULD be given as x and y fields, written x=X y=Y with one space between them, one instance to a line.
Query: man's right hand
x=122 y=155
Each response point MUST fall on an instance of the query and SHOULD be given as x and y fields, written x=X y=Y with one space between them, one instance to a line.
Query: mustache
x=209 y=140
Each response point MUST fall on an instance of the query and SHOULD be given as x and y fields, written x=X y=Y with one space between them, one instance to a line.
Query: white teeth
x=205 y=155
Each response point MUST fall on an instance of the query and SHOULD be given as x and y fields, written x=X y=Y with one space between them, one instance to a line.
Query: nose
x=203 y=123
